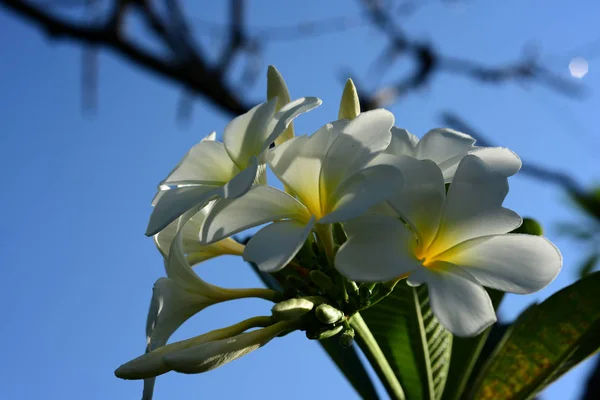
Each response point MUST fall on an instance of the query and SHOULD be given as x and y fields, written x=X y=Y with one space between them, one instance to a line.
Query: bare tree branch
x=194 y=77
x=429 y=61
x=564 y=181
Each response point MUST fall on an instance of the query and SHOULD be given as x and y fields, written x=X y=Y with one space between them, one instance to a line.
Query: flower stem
x=373 y=352
x=267 y=294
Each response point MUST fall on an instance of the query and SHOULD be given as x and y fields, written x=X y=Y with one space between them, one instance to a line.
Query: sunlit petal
x=379 y=248
x=461 y=305
x=275 y=245
x=259 y=205
x=511 y=263
x=474 y=206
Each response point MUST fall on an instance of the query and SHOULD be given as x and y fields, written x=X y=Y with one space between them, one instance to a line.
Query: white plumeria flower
x=183 y=293
x=455 y=243
x=223 y=342
x=191 y=247
x=327 y=174
x=224 y=170
x=446 y=147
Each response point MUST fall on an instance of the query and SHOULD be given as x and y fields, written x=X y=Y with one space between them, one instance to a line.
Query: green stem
x=378 y=361
x=260 y=293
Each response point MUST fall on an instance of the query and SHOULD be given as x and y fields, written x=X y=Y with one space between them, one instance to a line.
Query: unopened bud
x=324 y=334
x=291 y=309
x=351 y=287
x=339 y=235
x=320 y=279
x=328 y=314
x=347 y=338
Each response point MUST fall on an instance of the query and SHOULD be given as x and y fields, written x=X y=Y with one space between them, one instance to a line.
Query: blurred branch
x=538 y=172
x=184 y=65
x=429 y=61
x=184 y=62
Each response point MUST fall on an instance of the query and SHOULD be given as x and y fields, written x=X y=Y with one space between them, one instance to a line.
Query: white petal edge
x=211 y=355
x=474 y=206
x=284 y=117
x=461 y=305
x=259 y=205
x=275 y=245
x=379 y=248
x=362 y=191
x=244 y=136
x=515 y=263
x=360 y=141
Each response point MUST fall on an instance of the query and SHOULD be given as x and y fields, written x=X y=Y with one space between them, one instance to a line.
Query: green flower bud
x=339 y=235
x=291 y=309
x=347 y=338
x=324 y=334
x=351 y=287
x=364 y=294
x=328 y=314
x=320 y=279
x=350 y=104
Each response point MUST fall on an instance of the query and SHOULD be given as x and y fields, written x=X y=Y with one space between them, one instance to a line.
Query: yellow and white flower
x=330 y=181
x=455 y=243
x=212 y=169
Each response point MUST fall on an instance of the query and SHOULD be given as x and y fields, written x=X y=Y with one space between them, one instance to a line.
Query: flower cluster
x=363 y=206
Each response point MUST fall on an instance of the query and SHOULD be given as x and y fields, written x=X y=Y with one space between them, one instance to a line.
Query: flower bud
x=328 y=314
x=291 y=309
x=347 y=338
x=320 y=279
x=324 y=334
x=350 y=104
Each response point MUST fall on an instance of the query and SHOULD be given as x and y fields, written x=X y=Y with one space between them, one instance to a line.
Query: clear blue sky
x=78 y=269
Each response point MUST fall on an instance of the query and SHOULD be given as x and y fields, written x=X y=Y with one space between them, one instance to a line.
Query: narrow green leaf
x=465 y=352
x=418 y=348
x=545 y=342
x=346 y=359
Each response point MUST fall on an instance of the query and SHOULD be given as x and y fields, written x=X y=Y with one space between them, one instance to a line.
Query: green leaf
x=418 y=348
x=545 y=342
x=465 y=352
x=346 y=359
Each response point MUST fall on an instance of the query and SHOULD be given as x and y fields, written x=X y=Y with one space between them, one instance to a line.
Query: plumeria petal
x=193 y=197
x=379 y=248
x=441 y=144
x=461 y=305
x=362 y=191
x=360 y=141
x=170 y=307
x=245 y=135
x=513 y=263
x=297 y=163
x=500 y=159
x=284 y=117
x=474 y=206
x=275 y=245
x=175 y=202
x=151 y=364
x=214 y=354
x=194 y=251
x=421 y=200
x=206 y=162
x=259 y=205
x=403 y=143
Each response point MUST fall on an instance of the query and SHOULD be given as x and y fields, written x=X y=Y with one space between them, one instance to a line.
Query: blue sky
x=78 y=268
